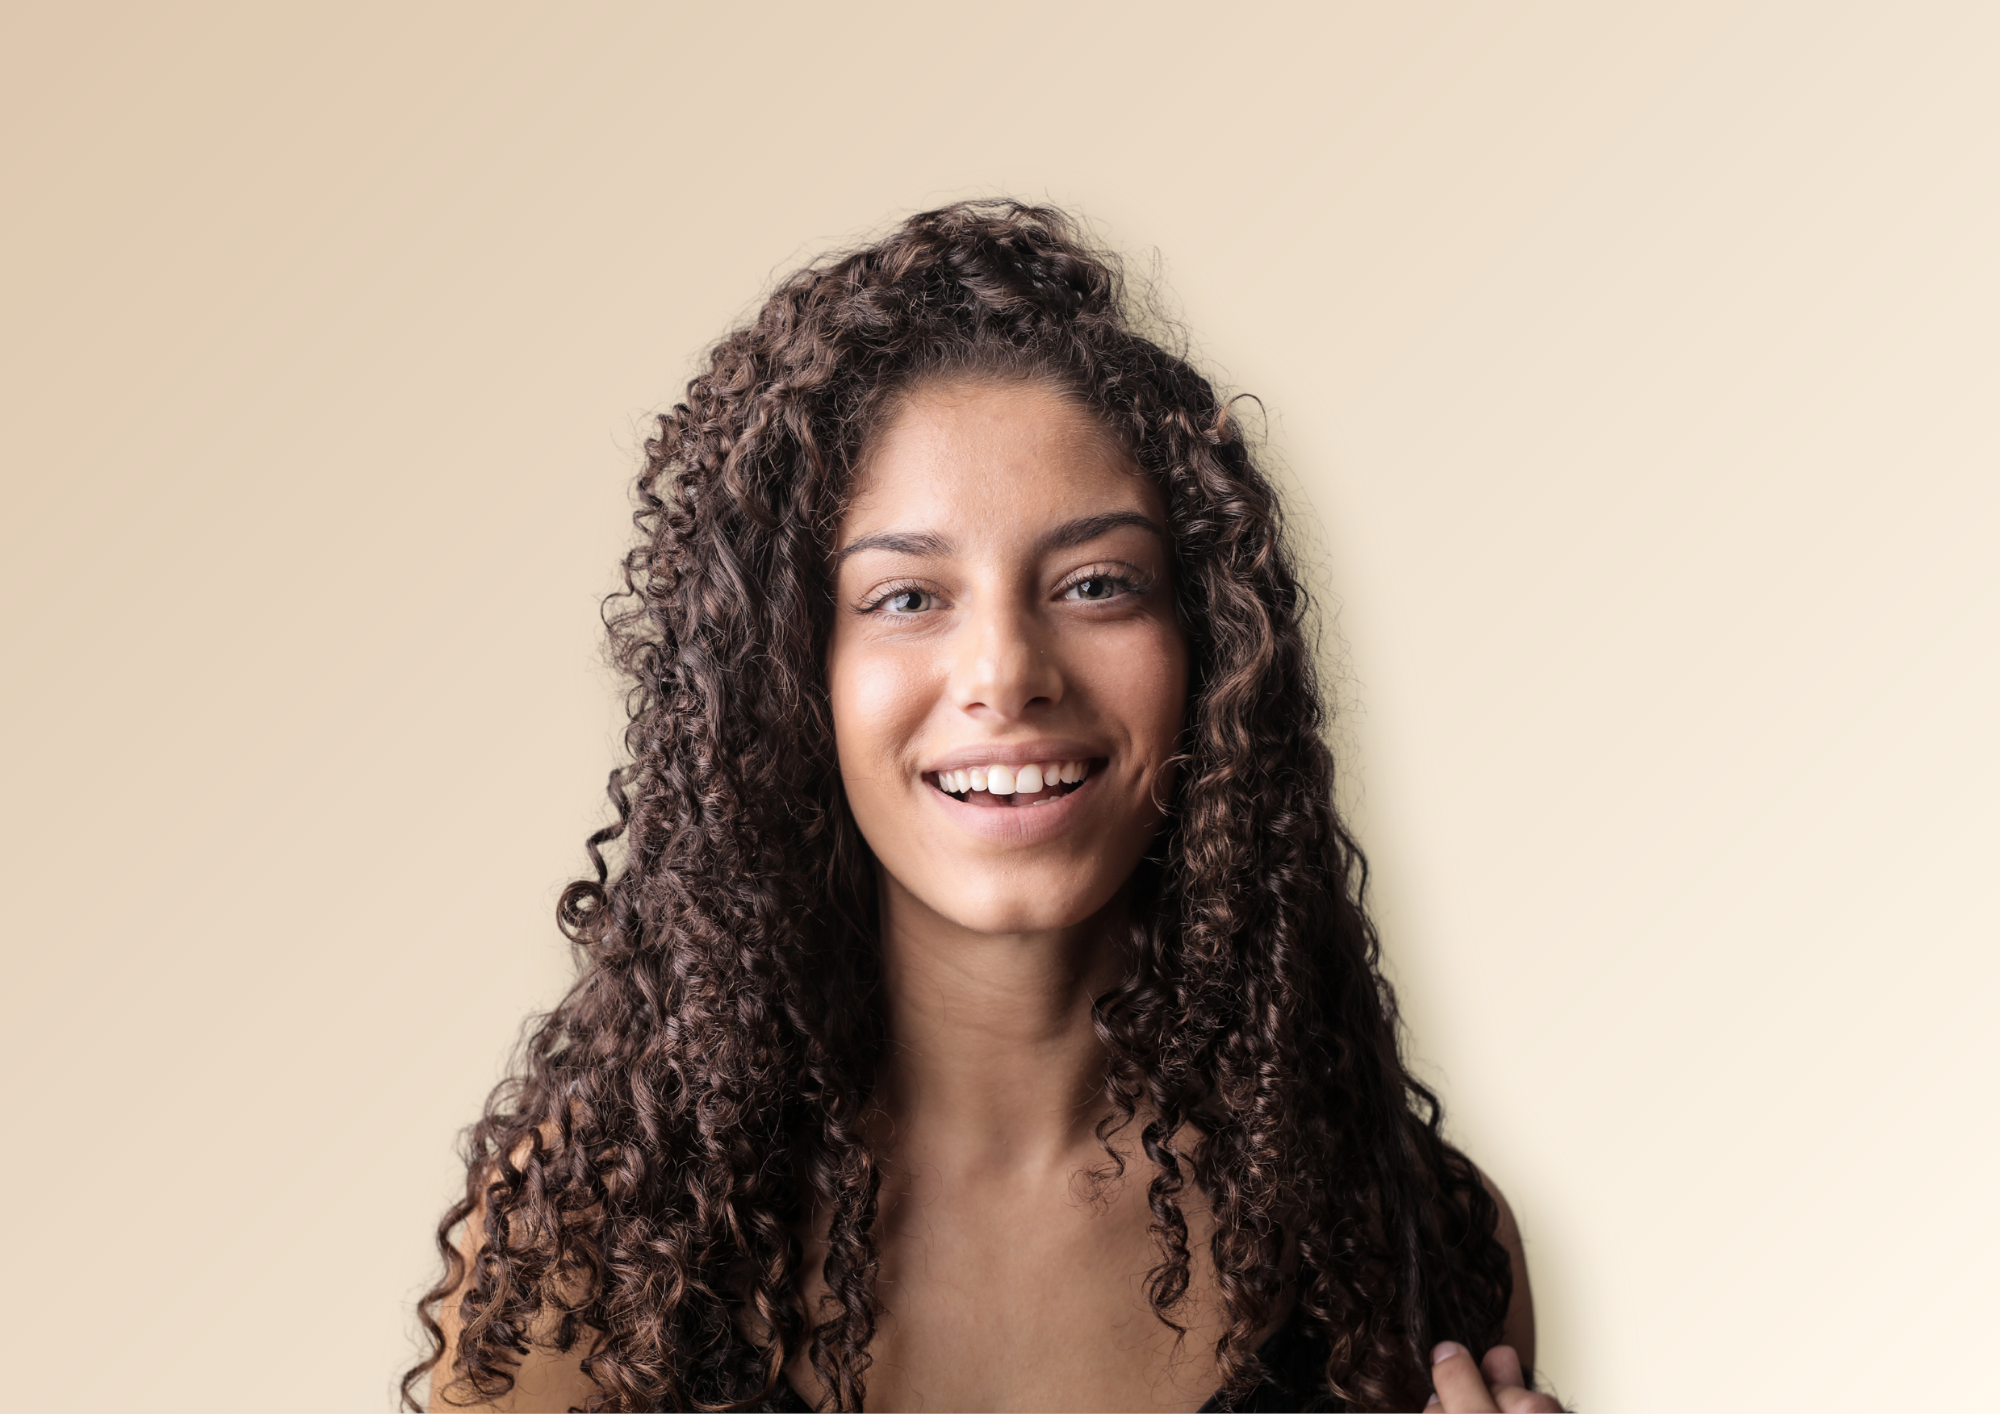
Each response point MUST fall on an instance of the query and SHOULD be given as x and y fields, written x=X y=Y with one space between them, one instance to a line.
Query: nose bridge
x=1004 y=661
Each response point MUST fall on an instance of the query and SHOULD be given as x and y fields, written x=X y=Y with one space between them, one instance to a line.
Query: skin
x=1035 y=605
x=1003 y=584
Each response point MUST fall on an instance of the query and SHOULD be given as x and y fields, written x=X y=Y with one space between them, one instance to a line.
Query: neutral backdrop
x=1631 y=370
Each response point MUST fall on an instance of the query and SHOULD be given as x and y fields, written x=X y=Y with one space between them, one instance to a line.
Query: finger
x=1502 y=1366
x=1459 y=1386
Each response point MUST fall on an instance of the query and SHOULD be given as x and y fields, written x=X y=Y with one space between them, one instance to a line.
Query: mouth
x=1000 y=787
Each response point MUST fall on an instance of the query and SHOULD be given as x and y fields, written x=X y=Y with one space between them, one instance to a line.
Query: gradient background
x=1632 y=373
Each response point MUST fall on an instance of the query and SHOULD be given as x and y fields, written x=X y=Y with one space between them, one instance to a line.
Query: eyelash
x=1127 y=584
x=890 y=593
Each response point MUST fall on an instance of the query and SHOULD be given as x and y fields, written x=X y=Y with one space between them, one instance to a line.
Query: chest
x=1032 y=1296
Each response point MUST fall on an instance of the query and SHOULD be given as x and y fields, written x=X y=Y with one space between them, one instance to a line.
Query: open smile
x=1016 y=803
x=1002 y=787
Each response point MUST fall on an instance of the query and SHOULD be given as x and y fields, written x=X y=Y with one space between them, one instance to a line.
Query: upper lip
x=1018 y=753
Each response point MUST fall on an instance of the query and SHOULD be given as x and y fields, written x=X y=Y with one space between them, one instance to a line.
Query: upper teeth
x=1005 y=780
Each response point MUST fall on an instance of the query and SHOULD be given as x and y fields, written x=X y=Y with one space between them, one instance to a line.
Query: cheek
x=1145 y=674
x=879 y=699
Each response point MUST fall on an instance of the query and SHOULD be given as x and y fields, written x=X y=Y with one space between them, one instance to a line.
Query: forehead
x=994 y=453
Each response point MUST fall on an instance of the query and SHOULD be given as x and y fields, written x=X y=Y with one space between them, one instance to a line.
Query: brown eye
x=907 y=601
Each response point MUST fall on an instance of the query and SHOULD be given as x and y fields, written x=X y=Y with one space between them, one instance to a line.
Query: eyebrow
x=1079 y=532
x=1066 y=536
x=901 y=542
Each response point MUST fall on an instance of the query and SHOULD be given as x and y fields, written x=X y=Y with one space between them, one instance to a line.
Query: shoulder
x=545 y=1376
x=1519 y=1331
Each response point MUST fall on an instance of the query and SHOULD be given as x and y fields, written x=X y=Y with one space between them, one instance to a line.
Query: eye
x=906 y=600
x=1098 y=587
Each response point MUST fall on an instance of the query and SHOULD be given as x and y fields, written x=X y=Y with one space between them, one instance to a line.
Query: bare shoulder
x=544 y=1378
x=1520 y=1327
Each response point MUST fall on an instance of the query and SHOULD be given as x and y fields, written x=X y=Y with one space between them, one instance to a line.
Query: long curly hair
x=641 y=1183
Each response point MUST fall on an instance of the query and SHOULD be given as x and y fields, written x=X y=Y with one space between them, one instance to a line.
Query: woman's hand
x=1495 y=1383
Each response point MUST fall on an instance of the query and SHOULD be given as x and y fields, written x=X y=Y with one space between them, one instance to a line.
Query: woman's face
x=1004 y=624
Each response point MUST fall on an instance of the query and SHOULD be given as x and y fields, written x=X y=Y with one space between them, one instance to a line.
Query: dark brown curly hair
x=641 y=1184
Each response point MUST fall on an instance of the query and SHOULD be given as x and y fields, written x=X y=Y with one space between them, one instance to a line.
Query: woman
x=979 y=1011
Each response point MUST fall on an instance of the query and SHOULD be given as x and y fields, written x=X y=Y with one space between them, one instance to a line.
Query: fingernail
x=1434 y=1403
x=1445 y=1350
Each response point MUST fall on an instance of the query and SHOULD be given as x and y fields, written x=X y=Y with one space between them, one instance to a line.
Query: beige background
x=1633 y=372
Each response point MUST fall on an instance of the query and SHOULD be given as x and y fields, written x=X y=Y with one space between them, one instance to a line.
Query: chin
x=1021 y=905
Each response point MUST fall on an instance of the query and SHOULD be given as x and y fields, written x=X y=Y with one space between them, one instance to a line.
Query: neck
x=993 y=1063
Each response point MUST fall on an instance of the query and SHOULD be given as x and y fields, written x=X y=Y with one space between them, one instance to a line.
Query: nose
x=1006 y=667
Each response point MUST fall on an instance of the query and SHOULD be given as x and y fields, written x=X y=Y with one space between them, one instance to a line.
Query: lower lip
x=1014 y=824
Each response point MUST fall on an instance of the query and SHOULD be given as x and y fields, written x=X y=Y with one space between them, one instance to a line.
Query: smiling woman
x=1005 y=687
x=980 y=1011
